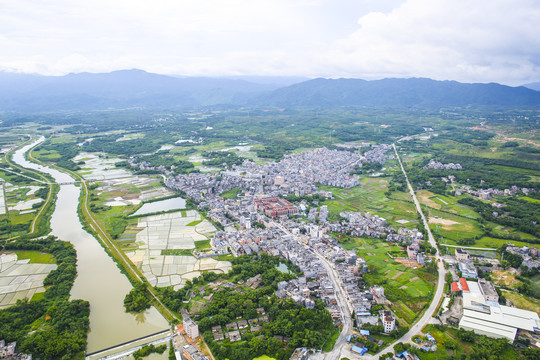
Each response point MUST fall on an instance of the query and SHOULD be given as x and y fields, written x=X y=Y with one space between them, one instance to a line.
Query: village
x=261 y=220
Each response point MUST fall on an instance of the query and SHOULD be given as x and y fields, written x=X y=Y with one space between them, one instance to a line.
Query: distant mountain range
x=137 y=88
x=414 y=92
x=534 y=86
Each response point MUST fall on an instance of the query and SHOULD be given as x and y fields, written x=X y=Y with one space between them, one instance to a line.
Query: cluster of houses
x=295 y=174
x=466 y=263
x=529 y=256
x=234 y=330
x=486 y=194
x=145 y=165
x=315 y=284
x=258 y=222
x=433 y=164
x=378 y=154
x=8 y=351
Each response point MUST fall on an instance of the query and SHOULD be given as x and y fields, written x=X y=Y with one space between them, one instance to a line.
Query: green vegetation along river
x=99 y=281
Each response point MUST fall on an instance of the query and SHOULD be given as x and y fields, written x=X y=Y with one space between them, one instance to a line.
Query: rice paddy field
x=22 y=274
x=19 y=203
x=162 y=245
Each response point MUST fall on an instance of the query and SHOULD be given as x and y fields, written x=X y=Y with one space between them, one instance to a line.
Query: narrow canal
x=99 y=280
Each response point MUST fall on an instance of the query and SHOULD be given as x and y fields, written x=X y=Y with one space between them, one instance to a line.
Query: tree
x=399 y=348
x=137 y=299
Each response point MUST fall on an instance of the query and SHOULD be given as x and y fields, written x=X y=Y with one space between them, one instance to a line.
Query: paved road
x=49 y=199
x=343 y=304
x=468 y=247
x=344 y=307
x=340 y=349
x=424 y=320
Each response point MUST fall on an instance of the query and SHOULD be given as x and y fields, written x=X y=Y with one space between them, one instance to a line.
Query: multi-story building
x=468 y=270
x=190 y=352
x=488 y=290
x=462 y=255
x=191 y=328
x=388 y=320
x=276 y=206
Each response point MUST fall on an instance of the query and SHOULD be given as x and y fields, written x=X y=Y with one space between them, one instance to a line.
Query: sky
x=468 y=41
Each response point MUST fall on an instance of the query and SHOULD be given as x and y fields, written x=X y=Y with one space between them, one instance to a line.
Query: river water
x=99 y=280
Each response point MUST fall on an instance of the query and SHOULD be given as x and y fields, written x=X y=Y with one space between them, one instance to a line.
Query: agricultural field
x=163 y=246
x=370 y=196
x=451 y=221
x=22 y=274
x=409 y=289
x=20 y=200
x=35 y=256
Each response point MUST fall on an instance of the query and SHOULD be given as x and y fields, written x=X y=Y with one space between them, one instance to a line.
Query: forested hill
x=122 y=89
x=414 y=92
x=140 y=89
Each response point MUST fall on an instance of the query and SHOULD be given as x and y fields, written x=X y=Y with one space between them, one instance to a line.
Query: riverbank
x=99 y=280
x=40 y=225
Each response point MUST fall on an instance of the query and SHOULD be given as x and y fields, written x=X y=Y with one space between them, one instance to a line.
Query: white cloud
x=462 y=40
x=453 y=39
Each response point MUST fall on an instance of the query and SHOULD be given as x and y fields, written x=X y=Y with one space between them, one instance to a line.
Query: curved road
x=49 y=199
x=428 y=314
x=339 y=348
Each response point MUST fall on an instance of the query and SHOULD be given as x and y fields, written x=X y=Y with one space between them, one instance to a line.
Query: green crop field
x=35 y=256
x=409 y=289
x=202 y=244
x=370 y=196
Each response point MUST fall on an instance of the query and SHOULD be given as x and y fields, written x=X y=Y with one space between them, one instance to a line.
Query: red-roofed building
x=455 y=287
x=276 y=206
x=463 y=284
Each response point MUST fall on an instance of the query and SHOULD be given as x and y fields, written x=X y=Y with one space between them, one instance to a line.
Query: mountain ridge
x=400 y=92
x=138 y=88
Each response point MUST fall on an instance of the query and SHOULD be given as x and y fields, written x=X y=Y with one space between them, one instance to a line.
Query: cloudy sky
x=470 y=41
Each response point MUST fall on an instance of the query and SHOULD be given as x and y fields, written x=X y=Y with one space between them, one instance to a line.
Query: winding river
x=99 y=280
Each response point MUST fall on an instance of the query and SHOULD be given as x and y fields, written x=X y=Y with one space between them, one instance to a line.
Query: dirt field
x=424 y=199
x=503 y=277
x=440 y=221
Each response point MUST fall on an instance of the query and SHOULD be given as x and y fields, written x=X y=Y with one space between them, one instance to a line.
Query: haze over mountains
x=137 y=88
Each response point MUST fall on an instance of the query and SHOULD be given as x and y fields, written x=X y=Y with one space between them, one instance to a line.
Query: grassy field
x=408 y=288
x=46 y=155
x=329 y=344
x=177 y=252
x=202 y=244
x=491 y=242
x=443 y=338
x=231 y=194
x=112 y=220
x=452 y=227
x=264 y=357
x=35 y=256
x=194 y=223
x=451 y=221
x=370 y=196
x=522 y=301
